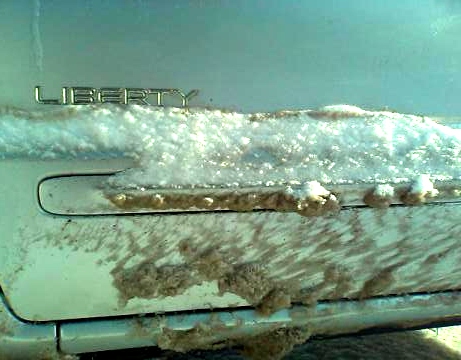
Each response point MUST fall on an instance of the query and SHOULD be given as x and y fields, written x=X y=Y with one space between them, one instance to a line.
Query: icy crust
x=200 y=147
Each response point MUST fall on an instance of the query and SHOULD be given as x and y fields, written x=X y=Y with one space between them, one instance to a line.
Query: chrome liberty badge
x=140 y=96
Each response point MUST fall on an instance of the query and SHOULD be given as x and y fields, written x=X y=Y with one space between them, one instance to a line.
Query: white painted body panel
x=53 y=268
x=66 y=266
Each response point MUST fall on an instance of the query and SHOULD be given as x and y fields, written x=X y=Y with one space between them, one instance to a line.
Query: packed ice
x=423 y=185
x=201 y=147
x=384 y=190
x=311 y=190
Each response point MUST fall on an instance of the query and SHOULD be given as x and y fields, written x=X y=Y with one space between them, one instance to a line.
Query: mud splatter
x=340 y=278
x=54 y=114
x=378 y=199
x=235 y=200
x=318 y=207
x=273 y=345
x=410 y=198
x=435 y=258
x=337 y=281
x=321 y=114
x=5 y=329
x=287 y=245
x=212 y=265
x=421 y=190
x=202 y=336
x=378 y=283
x=149 y=281
x=273 y=301
x=413 y=199
x=249 y=280
x=51 y=354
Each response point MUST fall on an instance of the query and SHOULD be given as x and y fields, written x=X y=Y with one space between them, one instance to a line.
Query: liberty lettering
x=78 y=95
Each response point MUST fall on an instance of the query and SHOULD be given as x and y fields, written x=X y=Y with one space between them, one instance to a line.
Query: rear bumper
x=22 y=340
x=25 y=340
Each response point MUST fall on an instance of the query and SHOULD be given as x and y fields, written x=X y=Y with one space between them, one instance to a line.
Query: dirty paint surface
x=63 y=267
x=266 y=259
